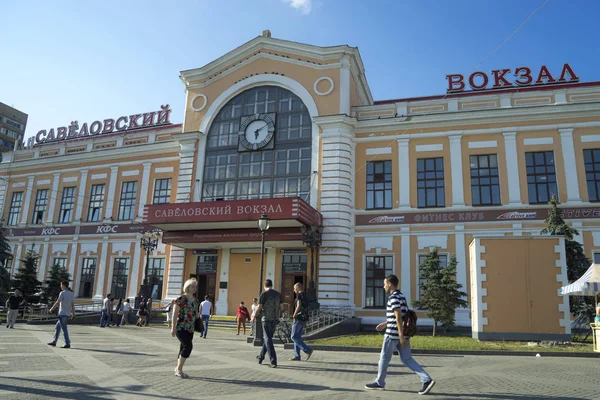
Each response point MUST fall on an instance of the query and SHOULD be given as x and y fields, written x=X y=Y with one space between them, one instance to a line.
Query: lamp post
x=263 y=226
x=149 y=243
x=312 y=237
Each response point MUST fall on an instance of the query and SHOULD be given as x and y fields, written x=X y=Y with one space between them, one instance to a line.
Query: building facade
x=292 y=131
x=12 y=128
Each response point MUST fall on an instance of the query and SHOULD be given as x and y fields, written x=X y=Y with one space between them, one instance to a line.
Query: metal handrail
x=327 y=316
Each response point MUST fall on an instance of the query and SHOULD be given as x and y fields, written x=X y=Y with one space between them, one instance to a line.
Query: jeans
x=205 y=319
x=104 y=318
x=125 y=318
x=62 y=324
x=269 y=331
x=297 y=330
x=387 y=350
x=11 y=318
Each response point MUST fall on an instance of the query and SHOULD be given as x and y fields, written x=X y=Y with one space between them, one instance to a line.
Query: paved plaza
x=136 y=363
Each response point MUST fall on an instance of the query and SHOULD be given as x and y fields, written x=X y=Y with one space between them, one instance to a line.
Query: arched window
x=232 y=172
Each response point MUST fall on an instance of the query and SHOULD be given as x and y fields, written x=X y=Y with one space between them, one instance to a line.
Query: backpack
x=302 y=315
x=409 y=324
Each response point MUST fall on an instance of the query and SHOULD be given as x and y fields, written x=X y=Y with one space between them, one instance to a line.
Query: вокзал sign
x=501 y=78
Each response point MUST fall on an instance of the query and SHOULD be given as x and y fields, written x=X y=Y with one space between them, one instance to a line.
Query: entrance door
x=206 y=286
x=287 y=289
x=293 y=265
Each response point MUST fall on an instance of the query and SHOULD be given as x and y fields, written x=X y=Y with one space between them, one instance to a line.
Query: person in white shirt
x=107 y=308
x=206 y=309
x=66 y=309
x=125 y=307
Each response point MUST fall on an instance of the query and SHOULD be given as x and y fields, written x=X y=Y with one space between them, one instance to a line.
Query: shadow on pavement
x=355 y=371
x=274 y=385
x=81 y=390
x=491 y=396
x=128 y=353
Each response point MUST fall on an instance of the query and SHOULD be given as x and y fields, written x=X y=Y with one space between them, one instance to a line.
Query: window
x=39 y=209
x=283 y=171
x=485 y=183
x=66 y=205
x=96 y=202
x=156 y=272
x=206 y=263
x=596 y=258
x=430 y=182
x=541 y=176
x=378 y=267
x=379 y=185
x=119 y=280
x=88 y=276
x=15 y=208
x=294 y=263
x=12 y=123
x=422 y=257
x=591 y=159
x=162 y=191
x=61 y=262
x=127 y=203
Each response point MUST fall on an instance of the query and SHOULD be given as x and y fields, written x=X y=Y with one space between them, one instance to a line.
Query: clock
x=256 y=132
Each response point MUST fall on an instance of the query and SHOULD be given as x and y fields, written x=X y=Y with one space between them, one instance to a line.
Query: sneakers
x=374 y=386
x=66 y=346
x=426 y=387
x=295 y=359
x=309 y=354
x=273 y=365
x=52 y=344
x=260 y=360
x=181 y=374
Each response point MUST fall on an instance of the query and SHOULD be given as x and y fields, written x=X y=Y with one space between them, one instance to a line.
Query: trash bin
x=596 y=337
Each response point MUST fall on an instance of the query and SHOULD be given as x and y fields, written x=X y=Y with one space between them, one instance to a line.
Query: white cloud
x=304 y=6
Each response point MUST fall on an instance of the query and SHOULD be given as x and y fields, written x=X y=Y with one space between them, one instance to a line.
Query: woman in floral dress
x=185 y=310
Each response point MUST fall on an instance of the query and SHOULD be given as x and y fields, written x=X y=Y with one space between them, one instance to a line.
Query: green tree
x=440 y=293
x=51 y=287
x=5 y=256
x=26 y=277
x=577 y=262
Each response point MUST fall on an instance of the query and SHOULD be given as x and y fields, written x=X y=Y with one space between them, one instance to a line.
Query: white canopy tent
x=587 y=285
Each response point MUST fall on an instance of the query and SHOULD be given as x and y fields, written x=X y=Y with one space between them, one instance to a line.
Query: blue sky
x=83 y=60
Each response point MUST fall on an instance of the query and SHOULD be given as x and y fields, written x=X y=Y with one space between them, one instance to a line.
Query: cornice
x=242 y=55
x=335 y=121
x=498 y=115
x=62 y=161
x=258 y=43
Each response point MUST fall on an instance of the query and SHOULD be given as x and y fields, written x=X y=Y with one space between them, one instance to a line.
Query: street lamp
x=149 y=243
x=263 y=226
x=312 y=237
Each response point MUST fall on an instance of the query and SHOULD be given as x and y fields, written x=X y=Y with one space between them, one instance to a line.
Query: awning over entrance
x=231 y=221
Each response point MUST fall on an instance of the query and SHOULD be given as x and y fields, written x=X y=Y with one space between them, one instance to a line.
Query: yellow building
x=291 y=130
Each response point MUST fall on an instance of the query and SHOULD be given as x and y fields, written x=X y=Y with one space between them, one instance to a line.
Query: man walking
x=66 y=309
x=300 y=317
x=206 y=309
x=107 y=308
x=394 y=339
x=12 y=304
x=269 y=303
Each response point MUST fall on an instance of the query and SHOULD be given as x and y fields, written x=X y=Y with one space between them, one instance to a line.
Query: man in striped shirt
x=394 y=339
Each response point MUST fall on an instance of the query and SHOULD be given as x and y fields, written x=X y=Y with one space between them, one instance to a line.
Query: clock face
x=256 y=131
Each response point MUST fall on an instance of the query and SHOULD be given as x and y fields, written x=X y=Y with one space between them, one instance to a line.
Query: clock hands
x=258 y=130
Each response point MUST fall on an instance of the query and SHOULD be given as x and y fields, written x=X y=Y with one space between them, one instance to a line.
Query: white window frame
x=364 y=276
